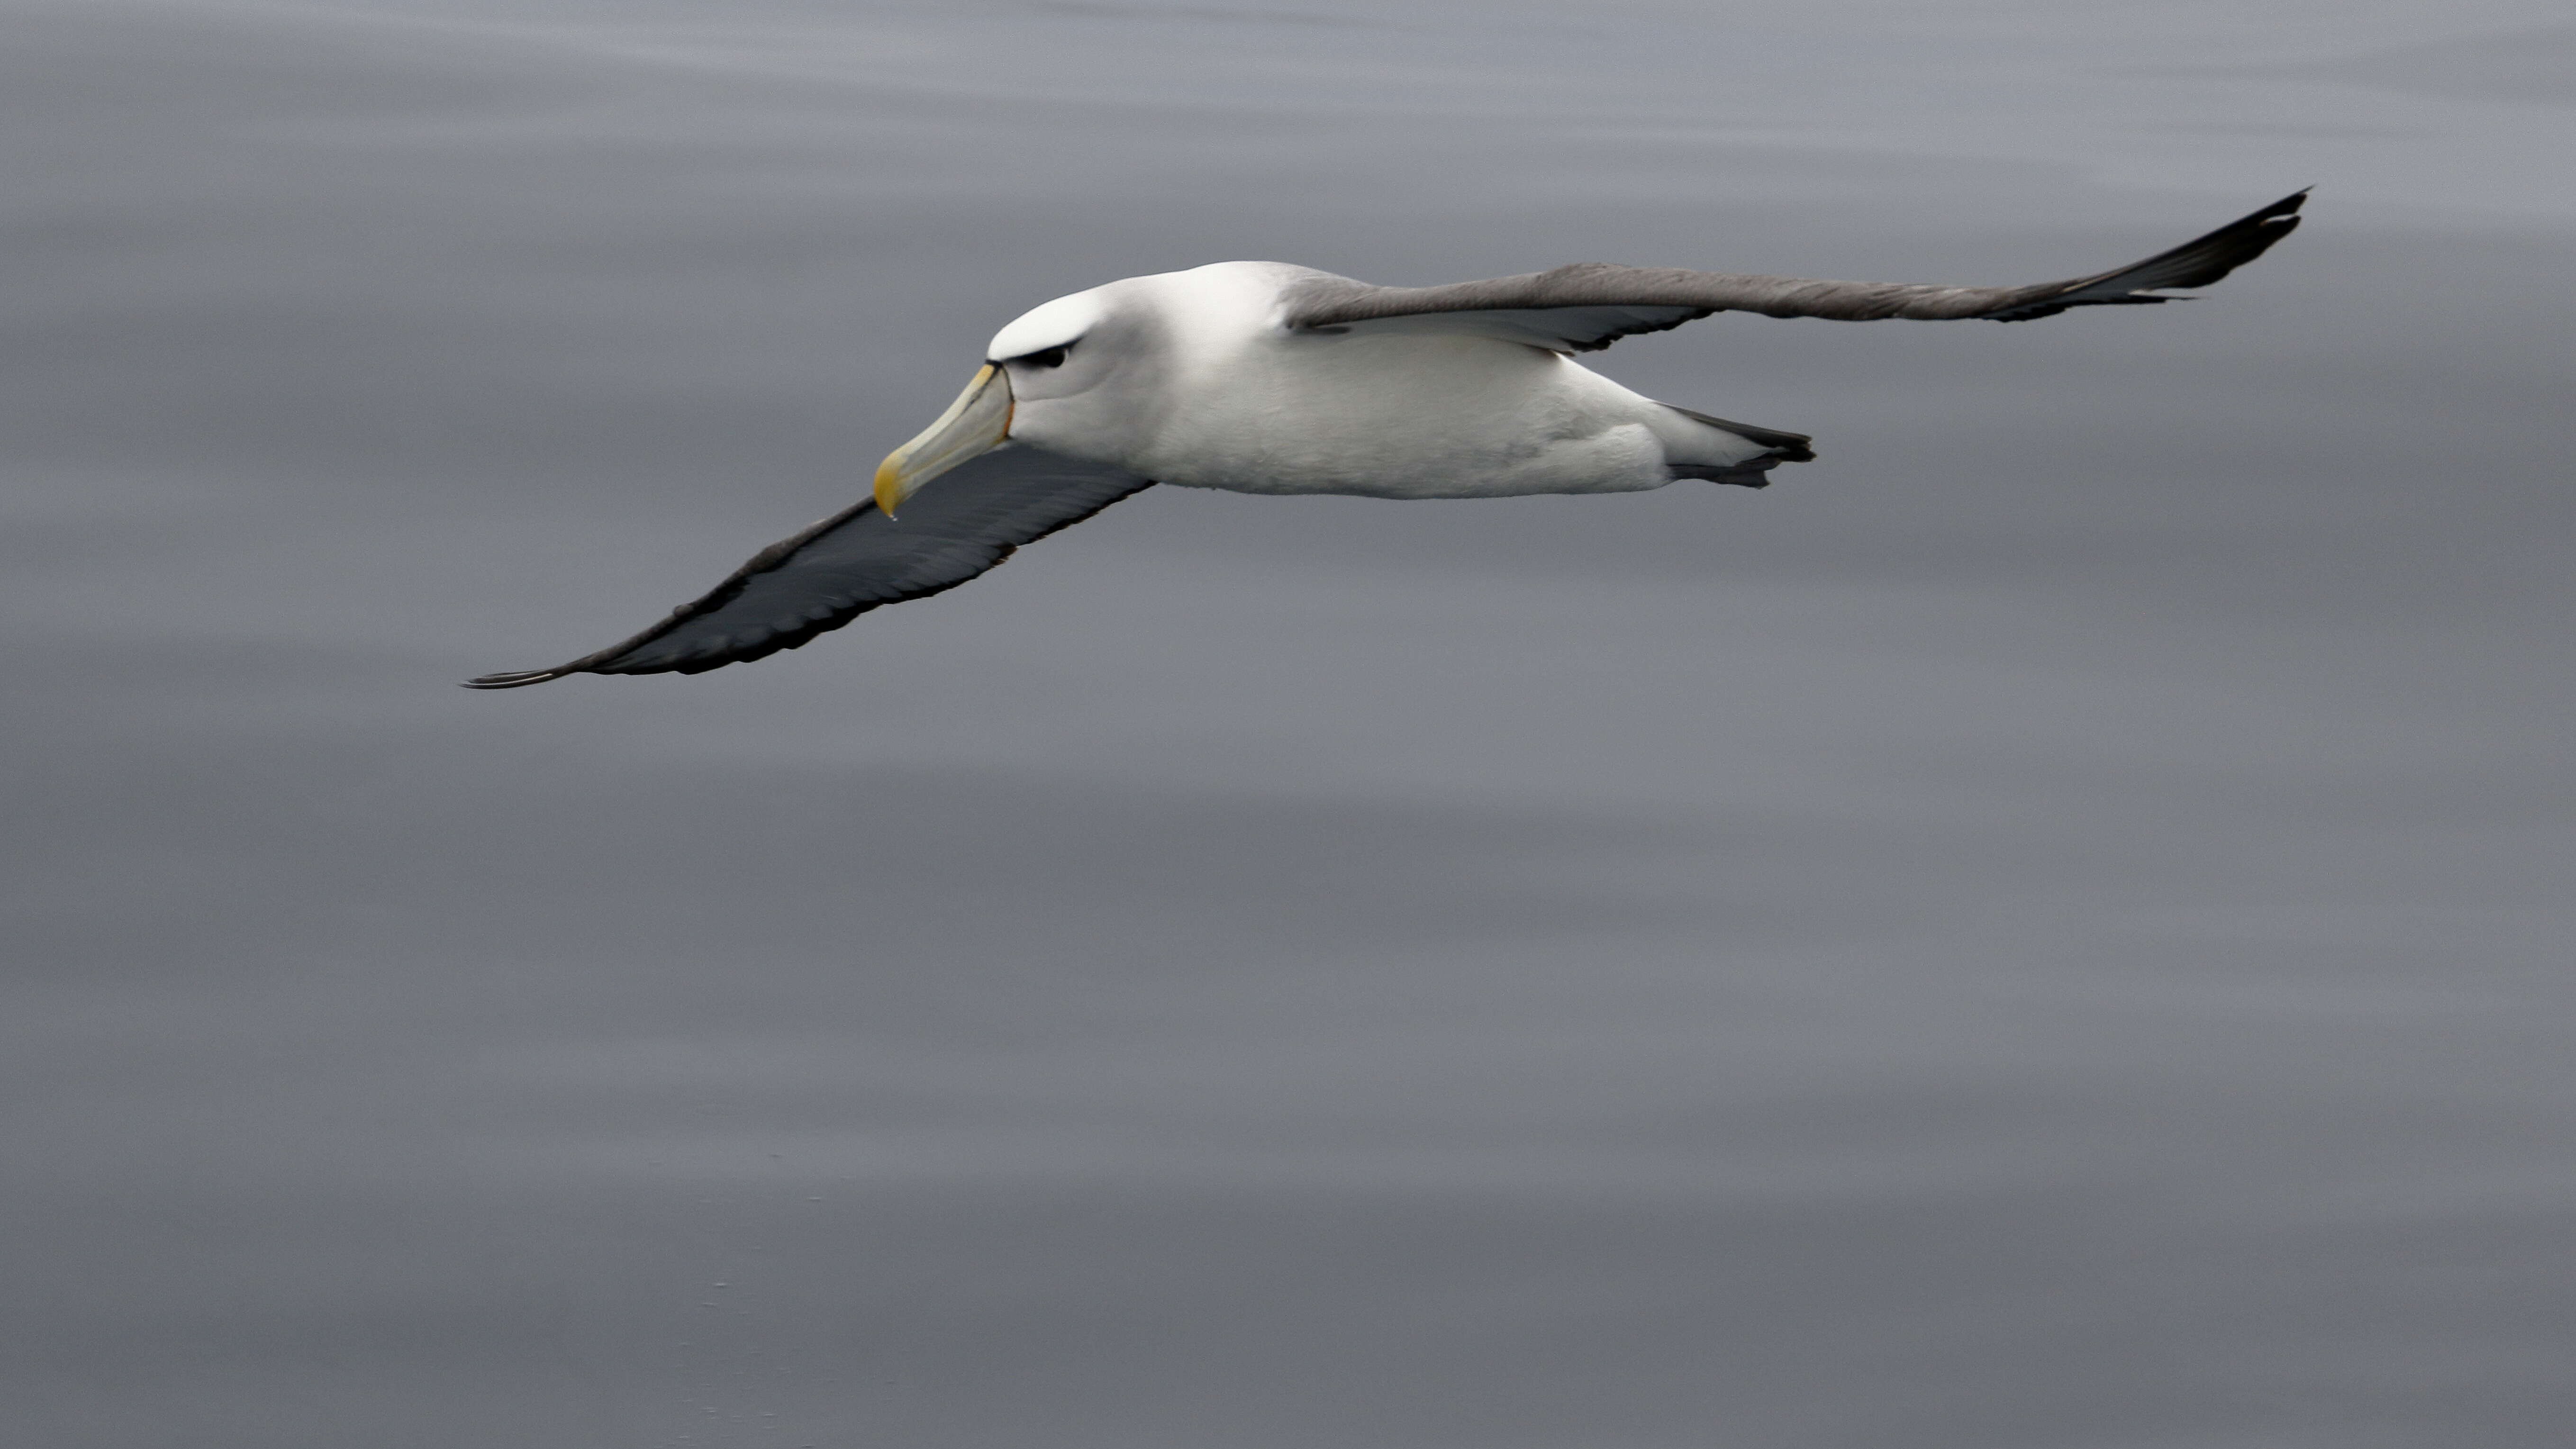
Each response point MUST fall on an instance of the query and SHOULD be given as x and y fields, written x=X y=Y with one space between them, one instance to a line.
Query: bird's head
x=1066 y=376
x=1095 y=375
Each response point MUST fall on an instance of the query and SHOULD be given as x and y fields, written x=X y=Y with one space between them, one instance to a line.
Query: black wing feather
x=962 y=524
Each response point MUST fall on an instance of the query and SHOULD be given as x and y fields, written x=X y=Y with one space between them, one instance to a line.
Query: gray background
x=2048 y=928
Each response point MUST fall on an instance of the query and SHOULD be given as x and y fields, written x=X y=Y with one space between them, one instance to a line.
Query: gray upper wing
x=963 y=523
x=1588 y=306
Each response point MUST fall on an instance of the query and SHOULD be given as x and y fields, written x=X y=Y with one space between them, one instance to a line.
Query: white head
x=1094 y=375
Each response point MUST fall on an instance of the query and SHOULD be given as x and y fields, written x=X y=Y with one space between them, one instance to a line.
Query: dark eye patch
x=1051 y=357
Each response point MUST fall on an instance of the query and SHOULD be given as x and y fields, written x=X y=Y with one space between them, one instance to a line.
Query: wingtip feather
x=516 y=679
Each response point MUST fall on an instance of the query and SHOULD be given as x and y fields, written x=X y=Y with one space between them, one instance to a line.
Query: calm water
x=2049 y=928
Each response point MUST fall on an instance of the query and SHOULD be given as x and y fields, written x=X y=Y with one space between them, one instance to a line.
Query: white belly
x=1405 y=417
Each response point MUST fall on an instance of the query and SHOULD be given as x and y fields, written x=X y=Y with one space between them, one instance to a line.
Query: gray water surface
x=2048 y=929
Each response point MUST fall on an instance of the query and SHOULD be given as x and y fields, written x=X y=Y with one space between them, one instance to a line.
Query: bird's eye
x=1051 y=357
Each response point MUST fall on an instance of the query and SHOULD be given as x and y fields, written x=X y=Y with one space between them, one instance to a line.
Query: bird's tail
x=1751 y=472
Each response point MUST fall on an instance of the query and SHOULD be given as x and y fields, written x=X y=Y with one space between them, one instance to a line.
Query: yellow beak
x=978 y=422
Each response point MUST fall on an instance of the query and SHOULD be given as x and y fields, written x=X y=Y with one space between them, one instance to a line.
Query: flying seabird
x=1260 y=377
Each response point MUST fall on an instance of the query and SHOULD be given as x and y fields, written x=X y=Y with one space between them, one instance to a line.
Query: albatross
x=1261 y=377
